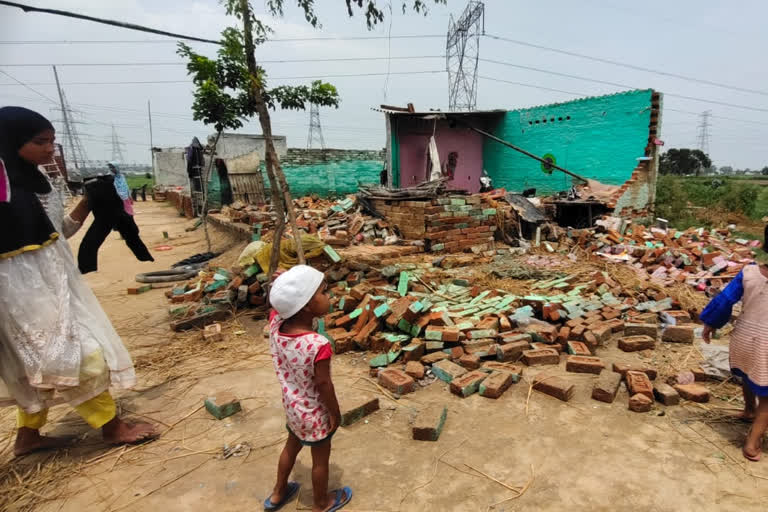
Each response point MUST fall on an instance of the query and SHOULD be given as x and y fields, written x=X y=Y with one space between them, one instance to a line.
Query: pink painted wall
x=413 y=142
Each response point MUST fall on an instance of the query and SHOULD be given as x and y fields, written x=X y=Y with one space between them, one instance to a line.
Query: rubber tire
x=166 y=276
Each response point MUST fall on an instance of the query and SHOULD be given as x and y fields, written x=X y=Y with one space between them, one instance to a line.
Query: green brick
x=222 y=406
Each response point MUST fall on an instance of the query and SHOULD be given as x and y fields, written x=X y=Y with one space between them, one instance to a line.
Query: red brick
x=590 y=340
x=563 y=334
x=537 y=345
x=610 y=314
x=678 y=334
x=639 y=402
x=496 y=384
x=541 y=357
x=414 y=369
x=681 y=317
x=584 y=364
x=638 y=382
x=554 y=386
x=396 y=381
x=434 y=357
x=511 y=351
x=602 y=333
x=429 y=423
x=640 y=330
x=456 y=353
x=414 y=350
x=468 y=383
x=254 y=288
x=577 y=332
x=606 y=387
x=446 y=370
x=666 y=394
x=470 y=361
x=578 y=348
x=623 y=368
x=693 y=392
x=636 y=343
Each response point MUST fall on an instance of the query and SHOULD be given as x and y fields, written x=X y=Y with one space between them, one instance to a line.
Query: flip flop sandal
x=338 y=504
x=291 y=491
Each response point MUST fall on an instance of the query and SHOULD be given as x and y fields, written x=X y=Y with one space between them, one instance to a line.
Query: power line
x=620 y=85
x=26 y=86
x=278 y=61
x=105 y=21
x=628 y=66
x=166 y=41
x=533 y=86
x=137 y=82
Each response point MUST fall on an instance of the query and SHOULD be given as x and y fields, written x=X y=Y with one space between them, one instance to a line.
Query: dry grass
x=187 y=353
x=24 y=487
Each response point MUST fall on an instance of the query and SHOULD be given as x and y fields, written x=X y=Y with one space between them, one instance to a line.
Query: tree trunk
x=277 y=180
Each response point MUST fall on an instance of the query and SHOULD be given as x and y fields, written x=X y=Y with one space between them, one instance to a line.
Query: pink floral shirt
x=294 y=357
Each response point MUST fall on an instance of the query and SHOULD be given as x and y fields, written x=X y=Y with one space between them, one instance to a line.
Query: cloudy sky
x=707 y=40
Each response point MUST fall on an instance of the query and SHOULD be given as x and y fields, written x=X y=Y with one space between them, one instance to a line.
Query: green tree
x=233 y=88
x=684 y=162
x=764 y=171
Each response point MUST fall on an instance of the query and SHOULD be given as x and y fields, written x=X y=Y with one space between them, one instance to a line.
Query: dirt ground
x=580 y=455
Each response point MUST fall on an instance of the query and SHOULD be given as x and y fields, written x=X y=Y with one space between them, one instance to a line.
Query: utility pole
x=67 y=123
x=462 y=52
x=704 y=134
x=151 y=142
x=315 y=130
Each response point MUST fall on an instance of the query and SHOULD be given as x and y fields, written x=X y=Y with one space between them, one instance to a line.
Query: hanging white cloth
x=433 y=160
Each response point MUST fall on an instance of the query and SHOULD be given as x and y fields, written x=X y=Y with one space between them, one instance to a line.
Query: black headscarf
x=24 y=224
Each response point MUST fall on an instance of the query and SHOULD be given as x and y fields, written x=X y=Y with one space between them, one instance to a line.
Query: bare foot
x=29 y=440
x=746 y=416
x=118 y=431
x=752 y=453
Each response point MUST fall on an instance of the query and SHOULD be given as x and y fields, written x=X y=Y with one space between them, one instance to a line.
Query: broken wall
x=599 y=138
x=235 y=144
x=330 y=171
x=170 y=167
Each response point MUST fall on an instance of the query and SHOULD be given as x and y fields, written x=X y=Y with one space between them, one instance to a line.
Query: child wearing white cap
x=302 y=360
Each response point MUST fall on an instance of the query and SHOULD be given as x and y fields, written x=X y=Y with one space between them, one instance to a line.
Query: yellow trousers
x=97 y=412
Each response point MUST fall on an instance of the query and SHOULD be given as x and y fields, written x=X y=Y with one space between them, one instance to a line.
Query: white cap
x=293 y=289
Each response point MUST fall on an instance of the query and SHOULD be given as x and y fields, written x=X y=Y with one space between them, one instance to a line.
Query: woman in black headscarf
x=56 y=343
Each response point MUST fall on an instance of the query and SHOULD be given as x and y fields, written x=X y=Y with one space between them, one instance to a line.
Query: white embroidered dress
x=56 y=343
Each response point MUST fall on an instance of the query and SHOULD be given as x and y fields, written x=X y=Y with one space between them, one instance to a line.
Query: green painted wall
x=326 y=178
x=599 y=138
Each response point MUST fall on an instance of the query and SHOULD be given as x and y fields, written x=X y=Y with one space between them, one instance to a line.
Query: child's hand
x=335 y=422
x=707 y=333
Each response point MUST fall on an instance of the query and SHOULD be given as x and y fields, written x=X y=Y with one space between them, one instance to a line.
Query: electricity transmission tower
x=315 y=130
x=462 y=51
x=704 y=132
x=74 y=150
x=117 y=147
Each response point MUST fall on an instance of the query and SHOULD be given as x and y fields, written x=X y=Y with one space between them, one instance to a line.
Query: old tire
x=166 y=276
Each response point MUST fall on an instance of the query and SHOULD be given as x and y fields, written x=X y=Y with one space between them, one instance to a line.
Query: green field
x=138 y=181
